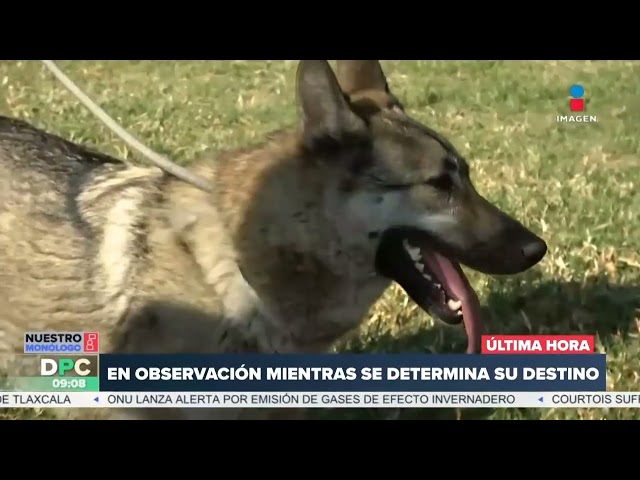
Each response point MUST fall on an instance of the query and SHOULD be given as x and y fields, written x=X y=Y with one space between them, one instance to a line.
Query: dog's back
x=68 y=225
x=88 y=242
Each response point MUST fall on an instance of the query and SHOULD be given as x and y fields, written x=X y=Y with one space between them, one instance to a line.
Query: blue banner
x=353 y=372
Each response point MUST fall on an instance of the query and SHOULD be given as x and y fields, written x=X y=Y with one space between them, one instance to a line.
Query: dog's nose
x=534 y=250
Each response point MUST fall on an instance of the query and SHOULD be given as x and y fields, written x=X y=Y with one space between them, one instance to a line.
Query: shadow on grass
x=515 y=306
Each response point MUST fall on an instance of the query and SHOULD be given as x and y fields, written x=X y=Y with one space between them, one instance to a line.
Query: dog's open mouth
x=432 y=280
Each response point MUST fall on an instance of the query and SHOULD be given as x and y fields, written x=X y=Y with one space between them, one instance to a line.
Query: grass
x=576 y=184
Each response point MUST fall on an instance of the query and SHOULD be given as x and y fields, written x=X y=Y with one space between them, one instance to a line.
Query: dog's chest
x=320 y=316
x=349 y=303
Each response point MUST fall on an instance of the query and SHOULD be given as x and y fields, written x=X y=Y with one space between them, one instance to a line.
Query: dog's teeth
x=459 y=313
x=439 y=285
x=454 y=304
x=414 y=252
x=427 y=276
x=419 y=266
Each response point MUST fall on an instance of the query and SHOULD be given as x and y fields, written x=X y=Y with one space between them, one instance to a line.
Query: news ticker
x=320 y=400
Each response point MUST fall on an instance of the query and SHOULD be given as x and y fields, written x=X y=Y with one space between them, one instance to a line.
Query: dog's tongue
x=456 y=282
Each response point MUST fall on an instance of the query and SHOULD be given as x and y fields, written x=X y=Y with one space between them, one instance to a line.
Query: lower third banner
x=353 y=372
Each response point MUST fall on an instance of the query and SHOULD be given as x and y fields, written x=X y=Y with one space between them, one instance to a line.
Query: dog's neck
x=272 y=201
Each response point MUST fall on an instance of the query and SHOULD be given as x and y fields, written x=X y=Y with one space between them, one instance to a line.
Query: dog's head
x=404 y=194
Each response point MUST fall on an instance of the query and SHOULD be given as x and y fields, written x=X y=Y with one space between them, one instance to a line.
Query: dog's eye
x=386 y=185
x=396 y=186
x=443 y=182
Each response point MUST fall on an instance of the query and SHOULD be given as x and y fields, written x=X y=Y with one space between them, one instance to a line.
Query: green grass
x=576 y=184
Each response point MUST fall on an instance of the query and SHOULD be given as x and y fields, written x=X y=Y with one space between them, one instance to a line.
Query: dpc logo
x=69 y=366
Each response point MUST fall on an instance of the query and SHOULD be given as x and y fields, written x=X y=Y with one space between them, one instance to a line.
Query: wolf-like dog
x=297 y=240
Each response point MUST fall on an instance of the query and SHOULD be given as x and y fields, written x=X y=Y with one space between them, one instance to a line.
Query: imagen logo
x=576 y=105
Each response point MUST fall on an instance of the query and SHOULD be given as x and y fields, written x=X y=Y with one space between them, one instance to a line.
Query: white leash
x=157 y=159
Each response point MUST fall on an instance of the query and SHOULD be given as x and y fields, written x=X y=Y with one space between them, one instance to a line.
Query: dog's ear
x=323 y=107
x=357 y=75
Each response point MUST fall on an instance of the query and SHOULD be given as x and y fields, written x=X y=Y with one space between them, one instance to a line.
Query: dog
x=298 y=238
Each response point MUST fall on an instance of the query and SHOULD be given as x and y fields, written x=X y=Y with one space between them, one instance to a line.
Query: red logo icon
x=576 y=104
x=91 y=342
